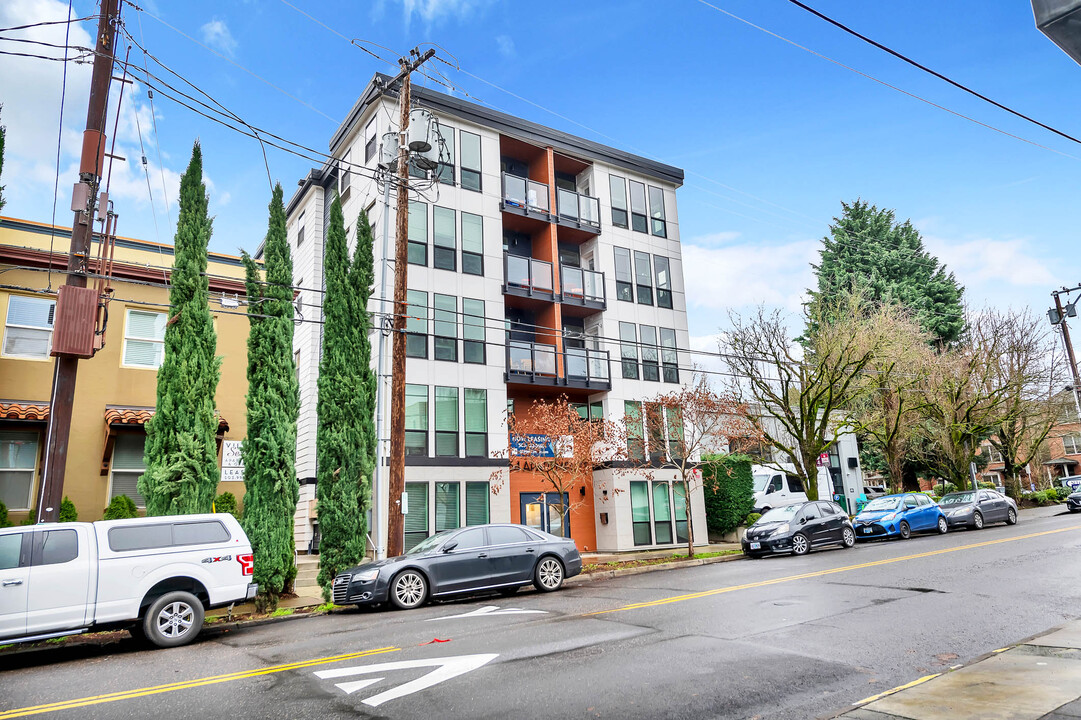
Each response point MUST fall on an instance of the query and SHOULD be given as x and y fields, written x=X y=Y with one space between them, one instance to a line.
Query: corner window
x=471 y=161
x=446 y=421
x=476 y=422
x=618 y=187
x=416 y=421
x=473 y=347
x=669 y=359
x=656 y=212
x=18 y=468
x=624 y=280
x=628 y=350
x=664 y=281
x=28 y=331
x=643 y=276
x=126 y=467
x=445 y=327
x=370 y=141
x=472 y=244
x=144 y=339
x=638 y=206
x=418 y=233
x=416 y=324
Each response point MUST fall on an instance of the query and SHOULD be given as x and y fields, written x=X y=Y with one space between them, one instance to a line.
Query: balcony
x=582 y=211
x=525 y=195
x=528 y=277
x=582 y=288
x=537 y=364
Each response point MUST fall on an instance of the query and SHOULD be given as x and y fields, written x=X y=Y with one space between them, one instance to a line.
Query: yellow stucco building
x=116 y=389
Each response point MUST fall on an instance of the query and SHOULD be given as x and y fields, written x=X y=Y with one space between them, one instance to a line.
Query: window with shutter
x=446 y=421
x=476 y=422
x=144 y=339
x=127 y=465
x=416 y=520
x=446 y=506
x=476 y=503
x=18 y=468
x=28 y=331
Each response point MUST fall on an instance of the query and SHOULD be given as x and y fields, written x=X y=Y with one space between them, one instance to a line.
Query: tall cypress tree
x=341 y=462
x=181 y=453
x=361 y=279
x=273 y=403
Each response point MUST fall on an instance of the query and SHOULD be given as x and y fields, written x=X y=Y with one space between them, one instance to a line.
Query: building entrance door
x=540 y=511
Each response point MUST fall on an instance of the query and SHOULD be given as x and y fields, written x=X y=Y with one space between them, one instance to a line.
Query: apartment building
x=540 y=264
x=116 y=390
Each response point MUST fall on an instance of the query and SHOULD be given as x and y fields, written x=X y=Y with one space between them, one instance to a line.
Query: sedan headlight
x=366 y=576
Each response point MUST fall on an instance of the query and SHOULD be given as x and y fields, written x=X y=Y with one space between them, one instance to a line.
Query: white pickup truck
x=154 y=576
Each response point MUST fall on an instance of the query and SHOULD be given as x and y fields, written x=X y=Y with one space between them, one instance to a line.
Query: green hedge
x=729 y=491
x=68 y=513
x=1063 y=493
x=944 y=489
x=226 y=503
x=121 y=507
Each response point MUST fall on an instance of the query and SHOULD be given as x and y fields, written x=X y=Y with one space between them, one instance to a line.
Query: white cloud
x=718 y=238
x=984 y=260
x=216 y=34
x=505 y=43
x=740 y=276
x=433 y=12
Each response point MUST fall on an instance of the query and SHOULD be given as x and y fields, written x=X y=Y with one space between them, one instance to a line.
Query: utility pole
x=396 y=484
x=1069 y=347
x=82 y=232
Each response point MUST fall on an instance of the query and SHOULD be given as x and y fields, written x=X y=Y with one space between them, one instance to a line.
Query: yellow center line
x=184 y=684
x=820 y=573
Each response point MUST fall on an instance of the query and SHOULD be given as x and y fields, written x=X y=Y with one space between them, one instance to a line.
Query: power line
x=928 y=70
x=59 y=137
x=68 y=22
x=883 y=82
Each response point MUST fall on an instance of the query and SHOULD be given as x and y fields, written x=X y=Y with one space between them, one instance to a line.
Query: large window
x=636 y=439
x=28 y=332
x=446 y=239
x=664 y=281
x=18 y=467
x=370 y=140
x=445 y=327
x=300 y=229
x=1072 y=444
x=679 y=504
x=638 y=207
x=416 y=420
x=624 y=279
x=643 y=276
x=470 y=161
x=662 y=511
x=476 y=503
x=619 y=200
x=418 y=233
x=628 y=350
x=445 y=172
x=446 y=421
x=416 y=324
x=473 y=331
x=640 y=512
x=127 y=466
x=447 y=501
x=472 y=244
x=656 y=211
x=476 y=422
x=416 y=520
x=669 y=359
x=651 y=369
x=144 y=339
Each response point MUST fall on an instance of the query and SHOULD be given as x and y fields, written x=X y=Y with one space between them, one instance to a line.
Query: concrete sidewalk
x=594 y=558
x=1036 y=680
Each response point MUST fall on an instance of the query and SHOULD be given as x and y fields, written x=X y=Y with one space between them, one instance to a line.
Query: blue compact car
x=899 y=516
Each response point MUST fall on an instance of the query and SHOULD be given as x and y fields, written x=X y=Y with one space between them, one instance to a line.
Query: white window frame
x=7 y=324
x=33 y=478
x=1074 y=440
x=124 y=347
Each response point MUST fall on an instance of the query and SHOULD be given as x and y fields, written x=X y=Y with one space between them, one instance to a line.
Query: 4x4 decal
x=222 y=558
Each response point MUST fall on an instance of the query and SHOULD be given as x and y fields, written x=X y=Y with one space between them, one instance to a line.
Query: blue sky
x=772 y=137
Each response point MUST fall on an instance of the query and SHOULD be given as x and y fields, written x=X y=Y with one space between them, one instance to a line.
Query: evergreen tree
x=273 y=403
x=342 y=457
x=181 y=453
x=867 y=248
x=361 y=279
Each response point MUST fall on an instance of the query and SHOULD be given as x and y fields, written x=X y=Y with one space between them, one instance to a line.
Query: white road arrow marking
x=491 y=610
x=445 y=669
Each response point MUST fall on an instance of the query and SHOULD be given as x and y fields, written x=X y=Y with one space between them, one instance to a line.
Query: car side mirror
x=449 y=546
x=803 y=521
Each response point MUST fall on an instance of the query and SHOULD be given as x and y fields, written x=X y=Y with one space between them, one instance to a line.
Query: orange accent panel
x=583 y=516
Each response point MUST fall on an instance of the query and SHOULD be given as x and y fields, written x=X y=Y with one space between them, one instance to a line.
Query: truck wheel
x=173 y=619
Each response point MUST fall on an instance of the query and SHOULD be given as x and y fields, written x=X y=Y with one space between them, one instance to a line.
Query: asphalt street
x=782 y=637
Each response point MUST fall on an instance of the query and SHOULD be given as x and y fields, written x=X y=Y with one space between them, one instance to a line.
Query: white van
x=775 y=487
x=154 y=576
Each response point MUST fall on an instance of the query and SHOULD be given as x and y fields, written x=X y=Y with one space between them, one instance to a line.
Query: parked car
x=775 y=488
x=873 y=491
x=495 y=557
x=798 y=529
x=1073 y=502
x=155 y=576
x=899 y=516
x=974 y=509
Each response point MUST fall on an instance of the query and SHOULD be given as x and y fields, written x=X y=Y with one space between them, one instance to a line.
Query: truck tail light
x=247 y=563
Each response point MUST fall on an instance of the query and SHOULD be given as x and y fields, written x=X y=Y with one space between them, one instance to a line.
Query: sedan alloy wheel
x=409 y=590
x=549 y=575
x=1011 y=517
x=848 y=537
x=800 y=545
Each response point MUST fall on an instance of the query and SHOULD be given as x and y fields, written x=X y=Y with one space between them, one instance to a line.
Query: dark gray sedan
x=1073 y=502
x=499 y=558
x=976 y=508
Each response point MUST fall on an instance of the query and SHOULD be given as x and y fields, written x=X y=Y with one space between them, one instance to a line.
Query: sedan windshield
x=781 y=514
x=962 y=498
x=884 y=503
x=428 y=544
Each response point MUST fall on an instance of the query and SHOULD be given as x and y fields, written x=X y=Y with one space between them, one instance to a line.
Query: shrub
x=1063 y=493
x=944 y=489
x=729 y=491
x=68 y=513
x=752 y=519
x=31 y=516
x=986 y=486
x=4 y=522
x=226 y=503
x=120 y=507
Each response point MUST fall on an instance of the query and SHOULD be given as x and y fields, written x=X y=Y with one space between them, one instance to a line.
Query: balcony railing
x=528 y=273
x=581 y=284
x=578 y=208
x=525 y=193
x=537 y=363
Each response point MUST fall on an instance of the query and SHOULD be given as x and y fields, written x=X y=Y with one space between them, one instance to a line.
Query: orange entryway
x=535 y=503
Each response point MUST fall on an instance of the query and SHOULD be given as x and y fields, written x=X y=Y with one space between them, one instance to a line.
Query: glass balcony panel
x=598 y=365
x=542 y=275
x=589 y=210
x=568 y=203
x=537 y=195
x=520 y=357
x=594 y=285
x=514 y=190
x=518 y=270
x=577 y=363
x=573 y=282
x=544 y=359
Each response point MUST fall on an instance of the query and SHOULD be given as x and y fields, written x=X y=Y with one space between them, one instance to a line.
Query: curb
x=622 y=572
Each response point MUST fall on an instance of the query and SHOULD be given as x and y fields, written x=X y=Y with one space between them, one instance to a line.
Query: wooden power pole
x=75 y=309
x=396 y=476
x=1069 y=348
